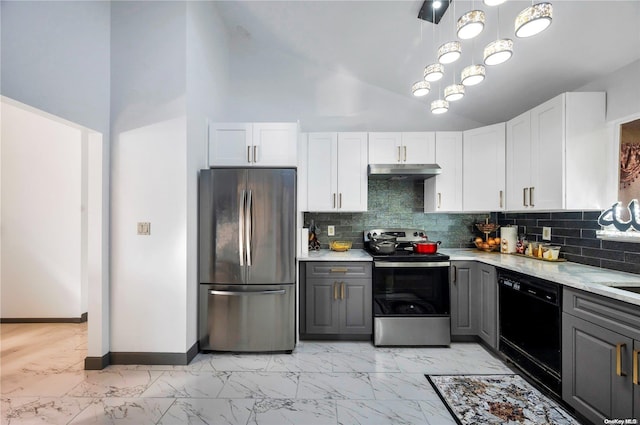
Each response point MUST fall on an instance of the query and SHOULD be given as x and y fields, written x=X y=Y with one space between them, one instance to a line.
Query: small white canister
x=509 y=238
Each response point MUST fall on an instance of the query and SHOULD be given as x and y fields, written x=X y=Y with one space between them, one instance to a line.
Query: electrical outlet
x=331 y=230
x=144 y=228
x=546 y=233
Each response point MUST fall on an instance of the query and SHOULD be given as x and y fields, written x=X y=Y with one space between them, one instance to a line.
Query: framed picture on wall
x=629 y=160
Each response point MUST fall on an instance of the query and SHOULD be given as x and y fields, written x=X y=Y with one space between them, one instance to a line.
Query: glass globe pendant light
x=420 y=88
x=472 y=75
x=494 y=2
x=470 y=24
x=439 y=107
x=449 y=52
x=433 y=72
x=533 y=20
x=453 y=92
x=498 y=51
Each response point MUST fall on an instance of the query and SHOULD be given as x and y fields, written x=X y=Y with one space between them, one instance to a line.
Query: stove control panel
x=401 y=235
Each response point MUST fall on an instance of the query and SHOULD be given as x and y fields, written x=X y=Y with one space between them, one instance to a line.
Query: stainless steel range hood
x=403 y=171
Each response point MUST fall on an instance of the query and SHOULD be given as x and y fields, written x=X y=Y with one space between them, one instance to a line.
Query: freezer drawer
x=247 y=318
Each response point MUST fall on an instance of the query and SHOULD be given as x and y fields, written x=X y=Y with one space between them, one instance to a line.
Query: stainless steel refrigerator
x=247 y=224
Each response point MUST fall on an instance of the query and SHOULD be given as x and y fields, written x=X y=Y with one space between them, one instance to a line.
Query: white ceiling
x=383 y=43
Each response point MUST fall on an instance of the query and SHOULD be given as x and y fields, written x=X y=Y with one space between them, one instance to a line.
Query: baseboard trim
x=193 y=352
x=152 y=358
x=83 y=318
x=96 y=363
x=465 y=338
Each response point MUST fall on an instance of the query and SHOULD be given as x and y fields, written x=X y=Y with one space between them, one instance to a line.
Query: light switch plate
x=331 y=230
x=546 y=233
x=144 y=228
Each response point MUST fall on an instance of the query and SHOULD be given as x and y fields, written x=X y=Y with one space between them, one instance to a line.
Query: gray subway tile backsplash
x=400 y=204
x=575 y=231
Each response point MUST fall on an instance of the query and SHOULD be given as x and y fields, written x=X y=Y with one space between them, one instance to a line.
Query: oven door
x=411 y=304
x=410 y=289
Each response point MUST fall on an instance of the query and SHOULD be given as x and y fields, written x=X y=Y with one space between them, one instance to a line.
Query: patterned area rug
x=497 y=399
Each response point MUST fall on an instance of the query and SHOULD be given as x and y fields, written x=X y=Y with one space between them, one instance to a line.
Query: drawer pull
x=339 y=270
x=635 y=366
x=342 y=291
x=619 y=371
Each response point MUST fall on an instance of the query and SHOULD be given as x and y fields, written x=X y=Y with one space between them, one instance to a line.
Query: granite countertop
x=587 y=278
x=574 y=275
x=328 y=255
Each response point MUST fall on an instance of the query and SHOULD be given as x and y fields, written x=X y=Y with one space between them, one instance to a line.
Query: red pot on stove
x=426 y=247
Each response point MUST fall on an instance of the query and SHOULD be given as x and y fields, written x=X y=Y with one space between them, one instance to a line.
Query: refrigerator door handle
x=241 y=220
x=248 y=230
x=247 y=293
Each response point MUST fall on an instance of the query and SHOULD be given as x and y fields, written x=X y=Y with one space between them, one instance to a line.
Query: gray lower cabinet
x=338 y=298
x=488 y=311
x=474 y=301
x=464 y=297
x=600 y=338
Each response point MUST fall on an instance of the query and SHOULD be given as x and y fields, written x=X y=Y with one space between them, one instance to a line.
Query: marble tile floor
x=43 y=382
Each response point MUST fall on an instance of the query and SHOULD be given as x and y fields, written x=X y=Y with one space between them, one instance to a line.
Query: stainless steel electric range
x=411 y=303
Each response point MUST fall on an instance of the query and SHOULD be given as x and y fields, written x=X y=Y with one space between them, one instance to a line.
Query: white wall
x=148 y=277
x=42 y=200
x=207 y=70
x=149 y=177
x=55 y=57
x=271 y=85
x=623 y=104
x=623 y=91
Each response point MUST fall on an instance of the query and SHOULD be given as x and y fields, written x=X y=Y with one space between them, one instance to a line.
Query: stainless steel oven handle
x=410 y=265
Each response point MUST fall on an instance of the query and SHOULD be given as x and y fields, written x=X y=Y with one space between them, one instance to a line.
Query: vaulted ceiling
x=384 y=44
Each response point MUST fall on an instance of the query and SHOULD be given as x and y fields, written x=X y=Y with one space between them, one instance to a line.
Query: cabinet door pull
x=342 y=291
x=335 y=290
x=500 y=199
x=249 y=154
x=338 y=269
x=399 y=153
x=405 y=154
x=619 y=347
x=635 y=366
x=255 y=153
x=439 y=200
x=531 y=196
x=340 y=200
x=455 y=275
x=334 y=200
x=524 y=196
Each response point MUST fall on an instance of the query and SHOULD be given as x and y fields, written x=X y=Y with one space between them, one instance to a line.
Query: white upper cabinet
x=253 y=144
x=402 y=148
x=385 y=148
x=443 y=193
x=337 y=172
x=483 y=158
x=556 y=153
